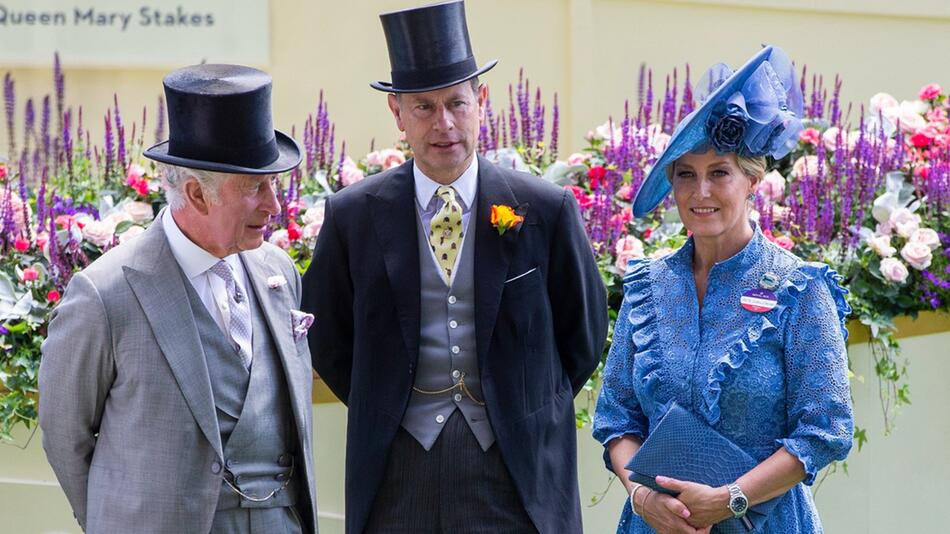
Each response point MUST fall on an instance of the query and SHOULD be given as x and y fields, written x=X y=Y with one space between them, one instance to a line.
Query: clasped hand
x=694 y=511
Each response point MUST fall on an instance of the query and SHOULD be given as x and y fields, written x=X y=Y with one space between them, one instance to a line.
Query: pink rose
x=893 y=270
x=882 y=102
x=117 y=216
x=805 y=164
x=280 y=238
x=625 y=192
x=16 y=205
x=310 y=231
x=391 y=158
x=374 y=159
x=30 y=274
x=785 y=242
x=810 y=136
x=627 y=249
x=578 y=158
x=99 y=233
x=140 y=212
x=772 y=187
x=881 y=245
x=42 y=239
x=314 y=214
x=907 y=115
x=832 y=142
x=21 y=244
x=904 y=222
x=930 y=91
x=350 y=174
x=927 y=237
x=917 y=255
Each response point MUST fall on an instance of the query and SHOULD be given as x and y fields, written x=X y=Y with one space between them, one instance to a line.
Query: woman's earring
x=751 y=196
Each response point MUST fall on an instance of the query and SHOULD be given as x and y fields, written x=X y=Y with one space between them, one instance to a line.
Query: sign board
x=123 y=33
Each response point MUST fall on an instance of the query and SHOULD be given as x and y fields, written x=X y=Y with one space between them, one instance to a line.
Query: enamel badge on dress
x=761 y=299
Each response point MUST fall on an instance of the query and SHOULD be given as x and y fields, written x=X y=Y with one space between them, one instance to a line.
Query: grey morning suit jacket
x=126 y=407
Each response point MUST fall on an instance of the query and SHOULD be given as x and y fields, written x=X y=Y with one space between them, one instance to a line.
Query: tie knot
x=446 y=193
x=223 y=270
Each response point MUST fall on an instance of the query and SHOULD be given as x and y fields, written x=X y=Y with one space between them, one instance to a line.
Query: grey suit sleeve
x=76 y=372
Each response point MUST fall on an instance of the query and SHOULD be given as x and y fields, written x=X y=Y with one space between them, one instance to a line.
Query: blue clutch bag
x=684 y=447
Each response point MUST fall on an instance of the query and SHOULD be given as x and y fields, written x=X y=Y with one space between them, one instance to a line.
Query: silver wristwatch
x=738 y=502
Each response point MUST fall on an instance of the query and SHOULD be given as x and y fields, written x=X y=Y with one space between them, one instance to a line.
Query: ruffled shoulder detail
x=788 y=295
x=638 y=288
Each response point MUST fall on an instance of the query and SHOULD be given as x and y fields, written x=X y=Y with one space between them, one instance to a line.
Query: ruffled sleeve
x=820 y=418
x=618 y=410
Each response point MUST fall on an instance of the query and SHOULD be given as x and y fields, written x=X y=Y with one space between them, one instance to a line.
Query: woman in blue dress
x=745 y=335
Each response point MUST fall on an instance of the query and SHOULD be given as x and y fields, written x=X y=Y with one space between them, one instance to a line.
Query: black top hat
x=219 y=119
x=428 y=48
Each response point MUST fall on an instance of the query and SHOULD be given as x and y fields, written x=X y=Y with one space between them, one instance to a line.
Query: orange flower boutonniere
x=504 y=218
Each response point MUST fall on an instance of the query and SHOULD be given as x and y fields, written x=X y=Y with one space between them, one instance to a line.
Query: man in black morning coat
x=457 y=344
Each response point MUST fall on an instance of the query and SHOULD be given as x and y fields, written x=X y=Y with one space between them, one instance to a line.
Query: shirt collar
x=193 y=259
x=465 y=185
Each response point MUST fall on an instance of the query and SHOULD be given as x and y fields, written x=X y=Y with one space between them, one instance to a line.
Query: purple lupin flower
x=330 y=147
x=29 y=124
x=68 y=142
x=59 y=82
x=9 y=100
x=88 y=145
x=308 y=149
x=555 y=127
x=120 y=137
x=641 y=77
x=24 y=206
x=648 y=103
x=160 y=121
x=538 y=120
x=41 y=199
x=492 y=142
x=44 y=129
x=687 y=104
x=110 y=145
x=836 y=103
x=512 y=119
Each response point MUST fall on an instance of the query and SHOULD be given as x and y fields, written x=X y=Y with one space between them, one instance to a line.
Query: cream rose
x=882 y=102
x=881 y=245
x=350 y=174
x=627 y=249
x=904 y=222
x=130 y=233
x=893 y=270
x=772 y=186
x=917 y=255
x=280 y=239
x=391 y=158
x=805 y=164
x=140 y=212
x=927 y=237
x=100 y=233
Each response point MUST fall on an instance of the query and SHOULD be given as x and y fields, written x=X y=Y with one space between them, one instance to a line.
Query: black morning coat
x=538 y=336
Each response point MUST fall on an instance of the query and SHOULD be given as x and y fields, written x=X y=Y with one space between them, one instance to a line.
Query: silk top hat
x=219 y=119
x=754 y=111
x=429 y=49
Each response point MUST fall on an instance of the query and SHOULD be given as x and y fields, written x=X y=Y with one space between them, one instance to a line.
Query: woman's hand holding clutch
x=707 y=505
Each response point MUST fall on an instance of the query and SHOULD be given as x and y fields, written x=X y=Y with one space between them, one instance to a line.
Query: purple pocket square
x=301 y=322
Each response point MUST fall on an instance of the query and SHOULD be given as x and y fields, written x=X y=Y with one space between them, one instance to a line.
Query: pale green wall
x=896 y=484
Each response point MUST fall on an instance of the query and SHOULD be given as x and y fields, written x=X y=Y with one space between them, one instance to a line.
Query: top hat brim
x=690 y=133
x=387 y=87
x=289 y=157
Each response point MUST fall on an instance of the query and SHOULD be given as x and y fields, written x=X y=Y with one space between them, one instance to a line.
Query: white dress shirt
x=211 y=289
x=427 y=203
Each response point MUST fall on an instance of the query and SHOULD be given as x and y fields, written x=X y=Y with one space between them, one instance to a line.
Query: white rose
x=117 y=216
x=280 y=239
x=310 y=231
x=917 y=255
x=881 y=245
x=99 y=233
x=315 y=213
x=927 y=237
x=606 y=130
x=881 y=102
x=904 y=221
x=374 y=159
x=140 y=212
x=577 y=159
x=131 y=232
x=893 y=270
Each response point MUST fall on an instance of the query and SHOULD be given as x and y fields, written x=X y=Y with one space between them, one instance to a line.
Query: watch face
x=738 y=504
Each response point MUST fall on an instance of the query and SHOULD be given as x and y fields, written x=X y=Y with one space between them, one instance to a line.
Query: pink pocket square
x=301 y=322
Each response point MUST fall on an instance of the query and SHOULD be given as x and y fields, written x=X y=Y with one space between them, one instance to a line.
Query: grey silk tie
x=239 y=328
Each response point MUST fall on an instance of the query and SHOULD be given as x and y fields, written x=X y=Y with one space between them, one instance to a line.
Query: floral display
x=866 y=188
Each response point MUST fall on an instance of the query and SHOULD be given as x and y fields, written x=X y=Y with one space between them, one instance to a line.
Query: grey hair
x=174 y=179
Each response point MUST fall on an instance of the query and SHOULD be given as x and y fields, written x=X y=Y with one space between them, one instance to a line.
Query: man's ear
x=195 y=197
x=482 y=96
x=393 y=101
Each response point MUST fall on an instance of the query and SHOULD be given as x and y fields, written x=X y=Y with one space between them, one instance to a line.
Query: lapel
x=276 y=304
x=393 y=211
x=159 y=285
x=492 y=252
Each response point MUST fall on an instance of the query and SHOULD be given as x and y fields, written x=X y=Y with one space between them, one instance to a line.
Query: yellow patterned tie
x=445 y=232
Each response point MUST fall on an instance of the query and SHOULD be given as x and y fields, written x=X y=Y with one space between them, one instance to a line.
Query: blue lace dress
x=763 y=380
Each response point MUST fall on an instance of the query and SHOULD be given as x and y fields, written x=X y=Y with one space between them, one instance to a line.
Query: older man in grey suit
x=175 y=381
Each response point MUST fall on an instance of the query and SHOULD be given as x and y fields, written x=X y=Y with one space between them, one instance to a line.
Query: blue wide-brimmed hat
x=754 y=111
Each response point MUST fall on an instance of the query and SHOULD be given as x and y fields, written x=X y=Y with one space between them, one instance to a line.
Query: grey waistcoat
x=253 y=409
x=447 y=321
